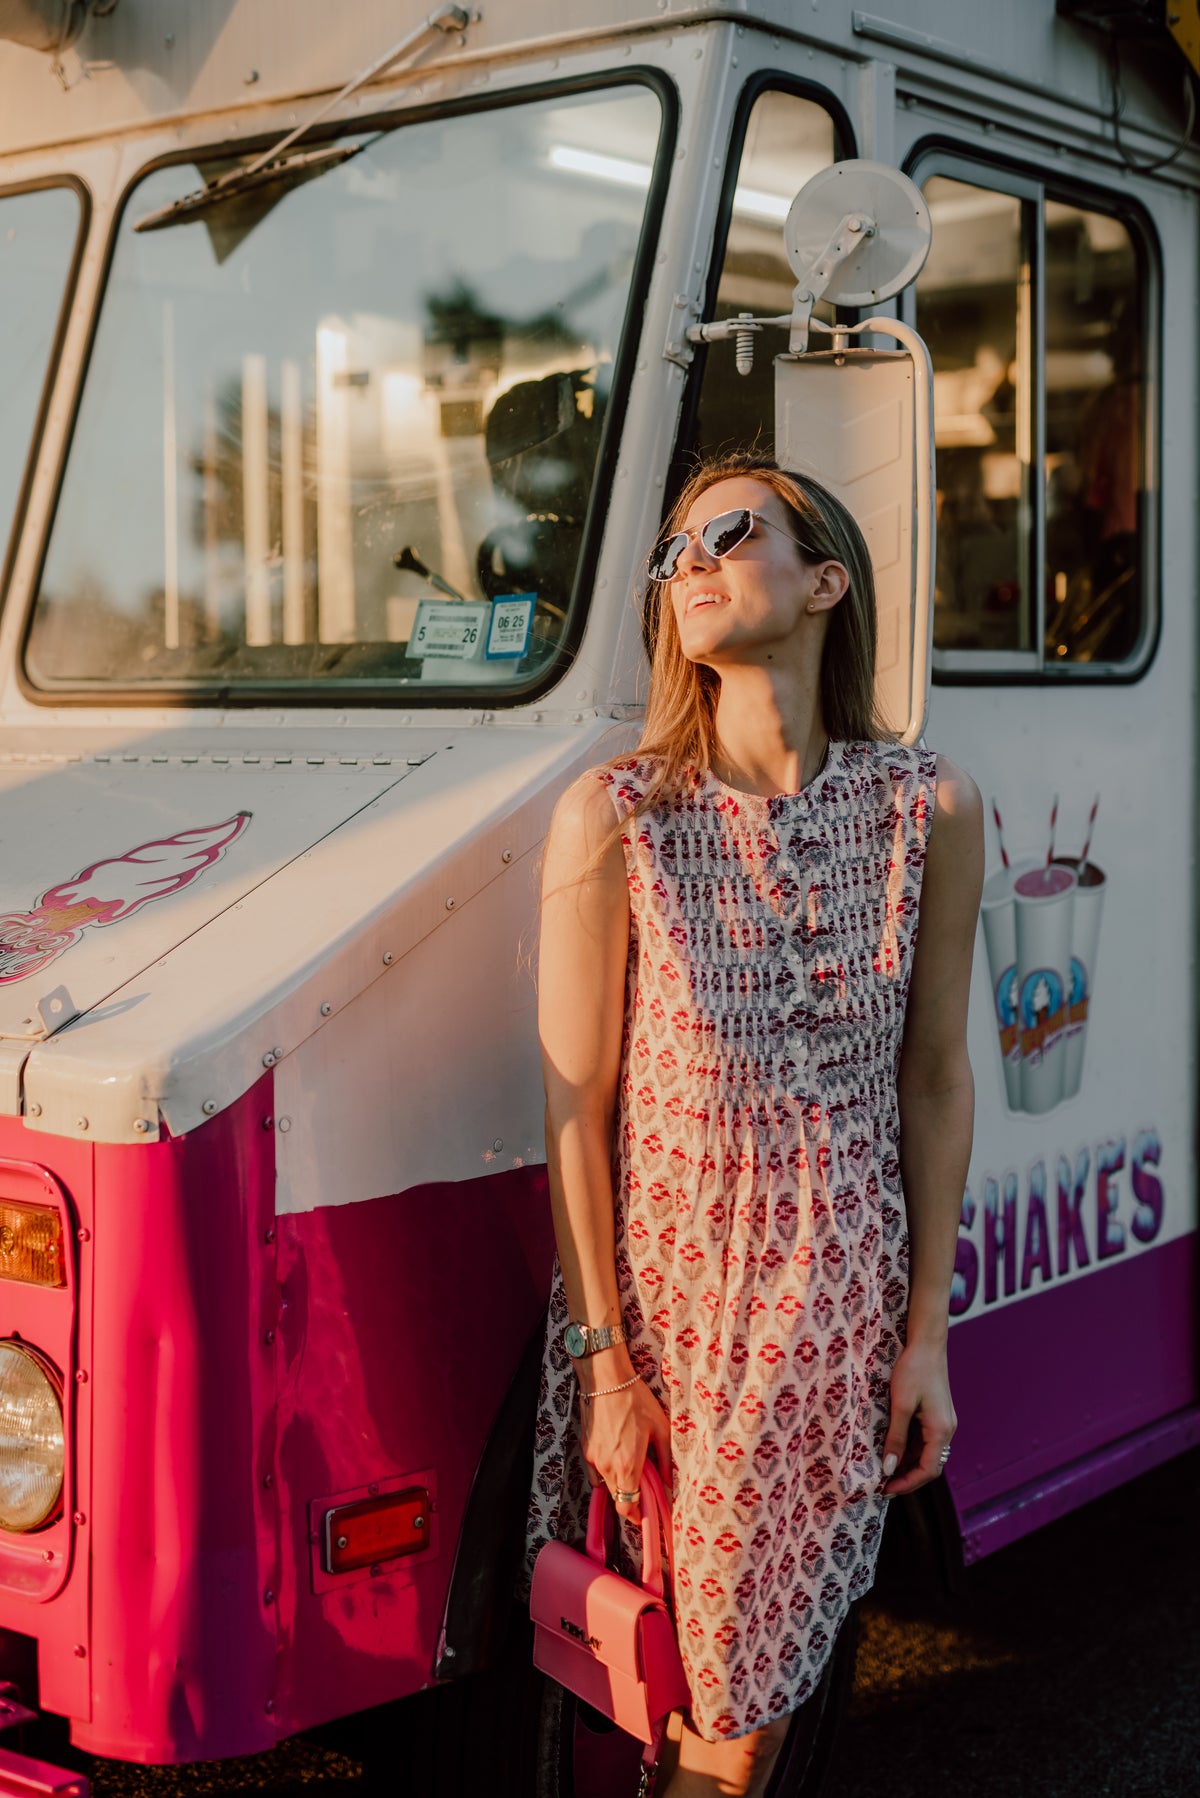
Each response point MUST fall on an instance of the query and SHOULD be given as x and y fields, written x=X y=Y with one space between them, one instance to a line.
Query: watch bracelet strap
x=602 y=1336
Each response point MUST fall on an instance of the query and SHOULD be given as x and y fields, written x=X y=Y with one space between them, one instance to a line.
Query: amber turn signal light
x=376 y=1529
x=31 y=1244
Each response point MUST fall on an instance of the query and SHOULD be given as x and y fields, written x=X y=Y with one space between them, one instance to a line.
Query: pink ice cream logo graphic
x=107 y=892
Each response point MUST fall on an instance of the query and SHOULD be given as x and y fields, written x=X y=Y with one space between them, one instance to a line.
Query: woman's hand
x=616 y=1432
x=922 y=1420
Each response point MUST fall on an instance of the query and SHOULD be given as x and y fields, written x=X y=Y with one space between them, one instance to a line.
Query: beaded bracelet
x=607 y=1391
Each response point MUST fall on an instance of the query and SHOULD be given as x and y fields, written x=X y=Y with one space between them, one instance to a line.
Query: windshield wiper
x=273 y=165
x=239 y=181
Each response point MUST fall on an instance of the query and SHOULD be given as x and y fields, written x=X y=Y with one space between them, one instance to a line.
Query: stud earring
x=810 y=607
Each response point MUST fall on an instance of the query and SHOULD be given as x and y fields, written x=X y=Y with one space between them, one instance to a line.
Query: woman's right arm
x=582 y=960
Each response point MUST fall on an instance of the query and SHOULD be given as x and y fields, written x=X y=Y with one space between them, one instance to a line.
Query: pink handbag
x=609 y=1641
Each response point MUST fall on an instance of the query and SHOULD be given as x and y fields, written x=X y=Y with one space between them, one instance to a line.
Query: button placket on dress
x=795 y=951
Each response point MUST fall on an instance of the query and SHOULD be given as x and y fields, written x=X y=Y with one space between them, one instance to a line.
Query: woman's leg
x=693 y=1768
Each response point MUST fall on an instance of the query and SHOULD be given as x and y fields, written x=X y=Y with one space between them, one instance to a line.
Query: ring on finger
x=626 y=1498
x=944 y=1456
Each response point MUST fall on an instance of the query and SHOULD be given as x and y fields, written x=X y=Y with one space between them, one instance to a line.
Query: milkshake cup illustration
x=1085 y=937
x=999 y=915
x=1044 y=900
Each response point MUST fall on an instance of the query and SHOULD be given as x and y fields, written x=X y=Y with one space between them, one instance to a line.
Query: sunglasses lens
x=726 y=531
x=665 y=555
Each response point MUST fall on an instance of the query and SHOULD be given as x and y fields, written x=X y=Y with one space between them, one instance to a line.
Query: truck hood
x=104 y=869
x=172 y=924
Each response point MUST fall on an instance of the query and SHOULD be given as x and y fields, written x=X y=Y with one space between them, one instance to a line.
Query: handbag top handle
x=656 y=1527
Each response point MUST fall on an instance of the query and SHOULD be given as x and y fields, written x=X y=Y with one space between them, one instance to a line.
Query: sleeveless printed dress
x=761 y=1244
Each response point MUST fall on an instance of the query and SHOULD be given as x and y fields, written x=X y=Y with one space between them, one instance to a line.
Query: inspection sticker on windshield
x=512 y=619
x=448 y=630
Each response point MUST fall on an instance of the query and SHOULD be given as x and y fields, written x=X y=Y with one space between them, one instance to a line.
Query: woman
x=759 y=1107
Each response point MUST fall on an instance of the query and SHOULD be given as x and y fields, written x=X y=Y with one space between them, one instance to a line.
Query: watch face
x=576 y=1340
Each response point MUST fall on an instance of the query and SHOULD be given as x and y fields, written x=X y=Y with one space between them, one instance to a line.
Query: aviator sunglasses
x=720 y=535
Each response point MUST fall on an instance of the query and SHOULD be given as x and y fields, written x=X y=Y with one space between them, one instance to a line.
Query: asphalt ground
x=1066 y=1666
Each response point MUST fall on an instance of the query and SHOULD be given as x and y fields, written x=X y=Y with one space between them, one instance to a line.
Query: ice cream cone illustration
x=107 y=892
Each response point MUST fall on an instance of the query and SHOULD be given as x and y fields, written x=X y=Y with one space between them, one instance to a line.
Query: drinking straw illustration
x=1000 y=833
x=1053 y=822
x=1091 y=823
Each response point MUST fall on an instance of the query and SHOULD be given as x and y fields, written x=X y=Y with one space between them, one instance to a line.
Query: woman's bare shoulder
x=585 y=812
x=584 y=839
x=958 y=799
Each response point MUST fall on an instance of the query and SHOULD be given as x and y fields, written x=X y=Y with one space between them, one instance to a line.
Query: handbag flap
x=590 y=1606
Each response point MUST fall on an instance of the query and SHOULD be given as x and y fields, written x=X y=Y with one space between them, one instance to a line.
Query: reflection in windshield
x=37 y=235
x=348 y=430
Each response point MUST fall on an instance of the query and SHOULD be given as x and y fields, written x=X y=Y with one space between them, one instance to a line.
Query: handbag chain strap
x=648 y=1777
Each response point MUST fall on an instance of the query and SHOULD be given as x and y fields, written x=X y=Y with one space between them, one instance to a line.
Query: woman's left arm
x=936 y=1096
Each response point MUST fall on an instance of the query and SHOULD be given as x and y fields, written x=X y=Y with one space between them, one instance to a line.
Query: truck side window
x=1095 y=455
x=1034 y=311
x=788 y=138
x=38 y=231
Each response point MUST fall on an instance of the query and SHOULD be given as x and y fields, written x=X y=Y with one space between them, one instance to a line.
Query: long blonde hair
x=680 y=730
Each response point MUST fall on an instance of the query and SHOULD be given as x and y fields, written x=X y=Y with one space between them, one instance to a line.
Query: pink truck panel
x=184 y=1522
x=229 y=1378
x=404 y=1319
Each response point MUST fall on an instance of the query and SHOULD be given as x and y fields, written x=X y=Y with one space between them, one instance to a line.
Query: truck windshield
x=38 y=230
x=341 y=434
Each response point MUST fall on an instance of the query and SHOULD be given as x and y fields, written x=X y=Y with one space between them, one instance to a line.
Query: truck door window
x=38 y=233
x=407 y=351
x=788 y=138
x=1035 y=311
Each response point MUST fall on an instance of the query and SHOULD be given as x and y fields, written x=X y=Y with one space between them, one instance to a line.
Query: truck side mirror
x=858 y=419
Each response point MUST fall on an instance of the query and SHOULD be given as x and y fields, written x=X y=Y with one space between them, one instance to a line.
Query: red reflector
x=376 y=1529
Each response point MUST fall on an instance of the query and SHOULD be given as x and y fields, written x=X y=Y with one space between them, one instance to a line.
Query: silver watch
x=581 y=1340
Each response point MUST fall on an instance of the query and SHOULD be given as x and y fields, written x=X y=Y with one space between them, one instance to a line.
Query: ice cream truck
x=350 y=358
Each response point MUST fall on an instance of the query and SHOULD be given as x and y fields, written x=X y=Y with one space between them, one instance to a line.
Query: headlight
x=31 y=1440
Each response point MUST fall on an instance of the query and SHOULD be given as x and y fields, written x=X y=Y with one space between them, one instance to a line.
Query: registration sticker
x=448 y=630
x=512 y=619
